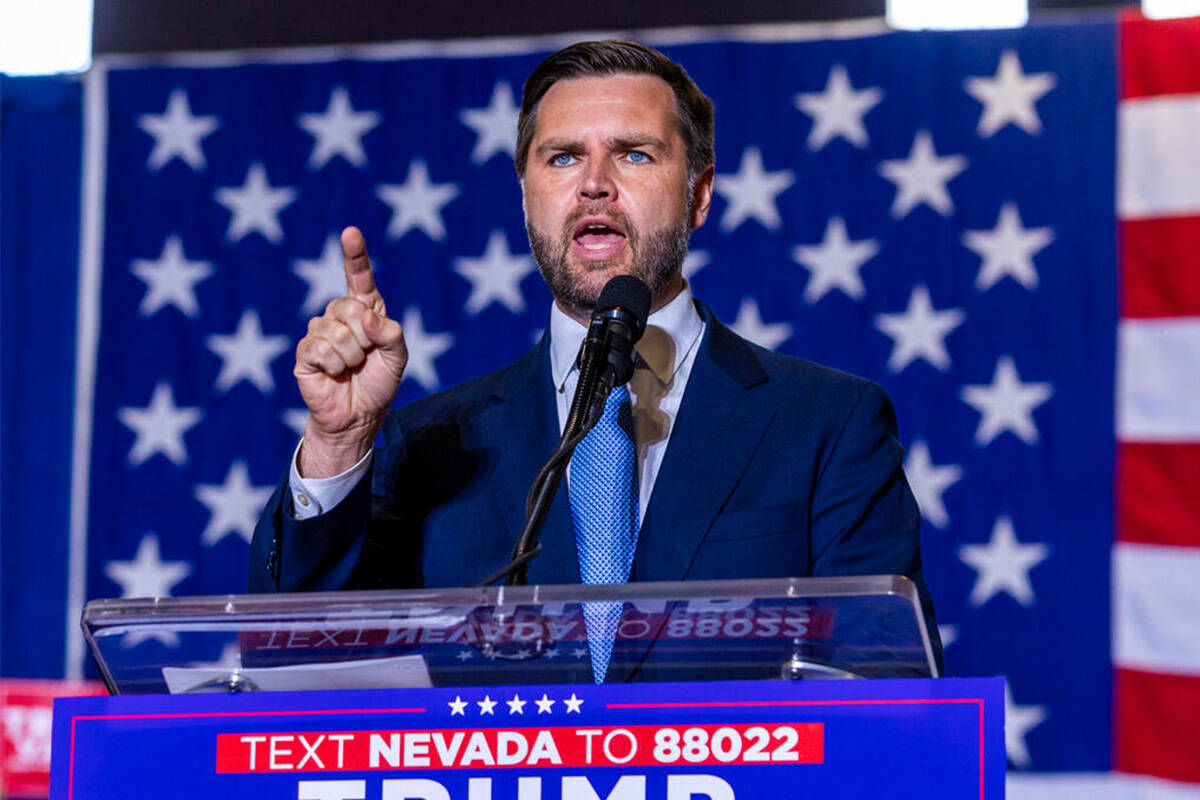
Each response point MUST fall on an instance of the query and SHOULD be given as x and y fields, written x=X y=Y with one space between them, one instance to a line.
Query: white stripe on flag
x=1156 y=591
x=1158 y=157
x=1096 y=786
x=1158 y=379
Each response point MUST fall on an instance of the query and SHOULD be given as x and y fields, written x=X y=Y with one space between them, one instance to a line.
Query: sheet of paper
x=373 y=673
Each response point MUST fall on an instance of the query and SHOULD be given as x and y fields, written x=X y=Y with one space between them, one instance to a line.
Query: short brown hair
x=612 y=57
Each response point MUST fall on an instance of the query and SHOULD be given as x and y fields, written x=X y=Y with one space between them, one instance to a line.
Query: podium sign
x=680 y=741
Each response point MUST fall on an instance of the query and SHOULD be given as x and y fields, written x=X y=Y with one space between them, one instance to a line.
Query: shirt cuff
x=312 y=497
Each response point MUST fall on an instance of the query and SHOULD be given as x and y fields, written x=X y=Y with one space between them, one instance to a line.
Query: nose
x=597 y=182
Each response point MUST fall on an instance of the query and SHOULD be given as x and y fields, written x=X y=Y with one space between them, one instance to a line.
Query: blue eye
x=562 y=159
x=638 y=157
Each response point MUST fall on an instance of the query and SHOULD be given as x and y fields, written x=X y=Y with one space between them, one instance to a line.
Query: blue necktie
x=604 y=508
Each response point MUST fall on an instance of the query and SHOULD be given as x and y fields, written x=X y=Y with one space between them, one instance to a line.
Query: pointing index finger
x=360 y=280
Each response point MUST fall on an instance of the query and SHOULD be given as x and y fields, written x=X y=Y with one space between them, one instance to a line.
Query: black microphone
x=605 y=361
x=606 y=355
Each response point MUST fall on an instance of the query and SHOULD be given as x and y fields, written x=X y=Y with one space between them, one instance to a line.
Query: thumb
x=387 y=336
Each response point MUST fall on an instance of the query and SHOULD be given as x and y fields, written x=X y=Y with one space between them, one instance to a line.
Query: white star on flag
x=1007 y=250
x=948 y=634
x=838 y=111
x=835 y=262
x=749 y=325
x=922 y=177
x=423 y=348
x=487 y=705
x=255 y=206
x=417 y=203
x=457 y=706
x=147 y=575
x=495 y=276
x=177 y=134
x=171 y=280
x=544 y=705
x=573 y=704
x=233 y=506
x=295 y=418
x=325 y=276
x=1010 y=97
x=160 y=426
x=246 y=354
x=919 y=332
x=1006 y=404
x=1002 y=565
x=339 y=130
x=495 y=126
x=1018 y=722
x=751 y=192
x=694 y=261
x=928 y=482
x=516 y=705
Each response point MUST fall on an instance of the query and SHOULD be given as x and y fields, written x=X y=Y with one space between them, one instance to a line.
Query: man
x=749 y=464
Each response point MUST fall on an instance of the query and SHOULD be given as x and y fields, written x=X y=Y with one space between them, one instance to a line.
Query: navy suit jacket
x=776 y=467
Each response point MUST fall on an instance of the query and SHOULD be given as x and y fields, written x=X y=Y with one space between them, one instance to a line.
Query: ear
x=701 y=197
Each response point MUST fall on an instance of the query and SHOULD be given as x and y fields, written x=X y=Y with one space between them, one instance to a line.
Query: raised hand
x=348 y=368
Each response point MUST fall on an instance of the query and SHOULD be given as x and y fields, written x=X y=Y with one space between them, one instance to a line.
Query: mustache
x=597 y=210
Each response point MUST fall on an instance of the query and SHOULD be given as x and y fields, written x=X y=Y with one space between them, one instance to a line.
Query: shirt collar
x=671 y=332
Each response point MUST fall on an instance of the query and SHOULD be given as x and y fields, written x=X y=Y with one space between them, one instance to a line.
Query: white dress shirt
x=666 y=353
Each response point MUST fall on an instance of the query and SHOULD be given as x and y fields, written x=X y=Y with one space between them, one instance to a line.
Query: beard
x=656 y=257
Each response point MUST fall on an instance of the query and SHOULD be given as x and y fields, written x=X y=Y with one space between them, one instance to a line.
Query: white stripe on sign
x=1156 y=592
x=1158 y=157
x=1158 y=379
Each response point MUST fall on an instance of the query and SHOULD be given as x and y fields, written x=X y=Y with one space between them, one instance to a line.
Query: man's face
x=606 y=188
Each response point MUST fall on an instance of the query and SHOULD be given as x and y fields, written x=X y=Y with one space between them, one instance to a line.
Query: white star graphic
x=838 y=111
x=295 y=418
x=325 y=276
x=423 y=348
x=835 y=262
x=486 y=705
x=147 y=575
x=749 y=325
x=495 y=276
x=495 y=126
x=1002 y=565
x=694 y=261
x=1007 y=250
x=919 y=332
x=1010 y=97
x=551 y=653
x=1006 y=404
x=339 y=130
x=928 y=482
x=177 y=133
x=255 y=206
x=544 y=705
x=516 y=705
x=922 y=177
x=751 y=192
x=246 y=354
x=233 y=506
x=465 y=655
x=573 y=704
x=457 y=706
x=1018 y=722
x=159 y=427
x=417 y=203
x=579 y=652
x=171 y=280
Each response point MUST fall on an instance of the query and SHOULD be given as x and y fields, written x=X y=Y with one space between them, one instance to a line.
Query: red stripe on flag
x=1156 y=724
x=1158 y=493
x=1160 y=260
x=1158 y=56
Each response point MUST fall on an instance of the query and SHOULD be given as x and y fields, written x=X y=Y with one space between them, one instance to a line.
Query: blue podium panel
x=681 y=741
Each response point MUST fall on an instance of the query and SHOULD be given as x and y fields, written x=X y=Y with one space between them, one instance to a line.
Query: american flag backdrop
x=999 y=227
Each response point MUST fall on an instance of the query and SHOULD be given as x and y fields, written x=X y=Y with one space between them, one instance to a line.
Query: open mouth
x=597 y=238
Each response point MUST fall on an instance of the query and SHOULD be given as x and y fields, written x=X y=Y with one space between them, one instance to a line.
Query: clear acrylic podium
x=792 y=628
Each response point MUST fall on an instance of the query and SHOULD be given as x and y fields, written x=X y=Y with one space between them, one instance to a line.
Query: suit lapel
x=523 y=429
x=717 y=430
